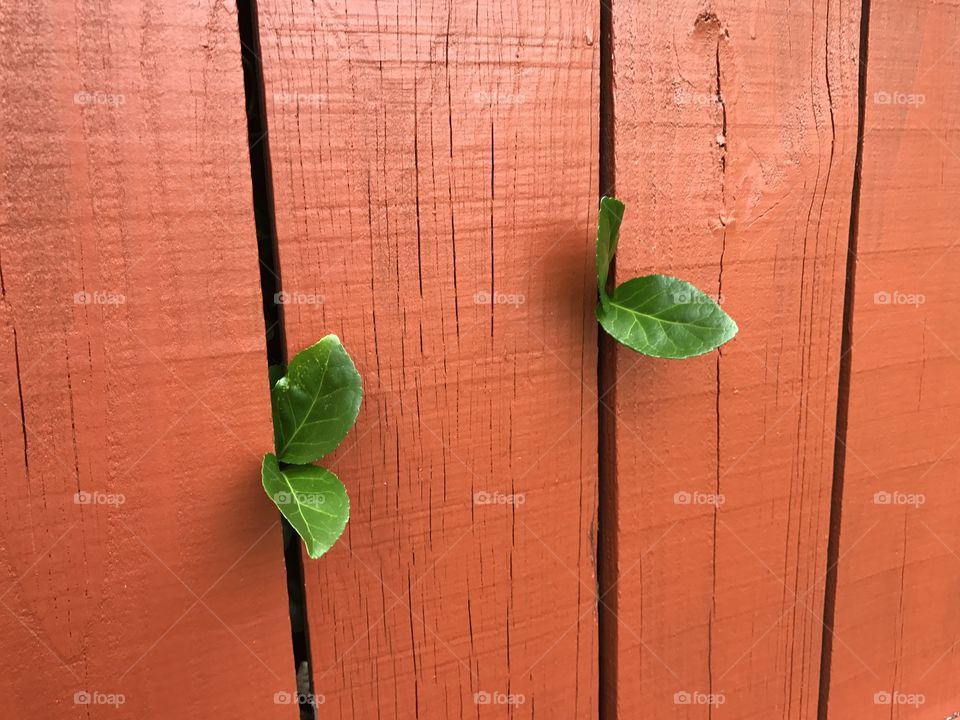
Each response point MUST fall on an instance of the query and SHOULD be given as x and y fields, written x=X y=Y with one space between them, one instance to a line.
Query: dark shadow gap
x=270 y=286
x=843 y=391
x=606 y=373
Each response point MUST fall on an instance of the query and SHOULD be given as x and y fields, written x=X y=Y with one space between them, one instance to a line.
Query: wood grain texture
x=895 y=651
x=133 y=369
x=427 y=157
x=735 y=139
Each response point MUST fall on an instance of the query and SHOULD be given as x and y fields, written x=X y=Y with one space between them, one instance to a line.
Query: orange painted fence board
x=435 y=176
x=734 y=145
x=895 y=651
x=140 y=564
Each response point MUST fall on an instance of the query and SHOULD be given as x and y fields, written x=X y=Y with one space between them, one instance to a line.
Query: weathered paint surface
x=735 y=139
x=435 y=175
x=434 y=169
x=132 y=373
x=895 y=651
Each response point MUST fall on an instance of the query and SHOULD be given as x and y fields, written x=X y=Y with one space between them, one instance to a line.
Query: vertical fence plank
x=735 y=139
x=894 y=652
x=435 y=176
x=139 y=562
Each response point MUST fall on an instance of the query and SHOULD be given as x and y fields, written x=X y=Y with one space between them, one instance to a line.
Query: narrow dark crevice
x=843 y=391
x=270 y=286
x=606 y=548
x=23 y=414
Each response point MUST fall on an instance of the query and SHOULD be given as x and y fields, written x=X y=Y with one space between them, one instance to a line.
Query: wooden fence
x=543 y=525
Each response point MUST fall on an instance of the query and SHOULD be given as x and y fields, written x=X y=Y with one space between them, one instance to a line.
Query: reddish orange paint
x=737 y=175
x=425 y=157
x=435 y=178
x=898 y=577
x=126 y=180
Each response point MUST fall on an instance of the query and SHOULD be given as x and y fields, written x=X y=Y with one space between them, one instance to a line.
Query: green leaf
x=665 y=317
x=316 y=403
x=312 y=498
x=608 y=233
x=276 y=372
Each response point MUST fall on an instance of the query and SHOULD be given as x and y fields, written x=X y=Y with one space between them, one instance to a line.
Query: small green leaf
x=665 y=317
x=312 y=498
x=608 y=233
x=316 y=403
x=276 y=372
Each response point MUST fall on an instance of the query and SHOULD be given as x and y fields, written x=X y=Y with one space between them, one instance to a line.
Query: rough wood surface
x=427 y=157
x=895 y=650
x=133 y=373
x=735 y=139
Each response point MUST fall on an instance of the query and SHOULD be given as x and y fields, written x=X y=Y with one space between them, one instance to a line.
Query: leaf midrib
x=316 y=397
x=293 y=494
x=662 y=320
